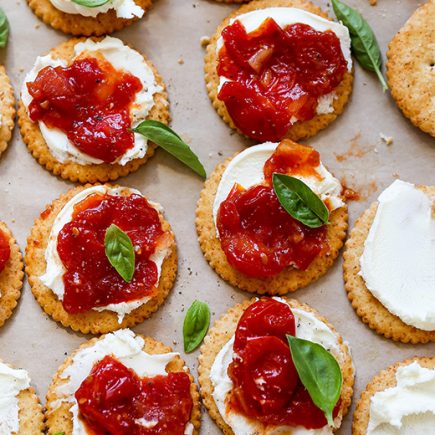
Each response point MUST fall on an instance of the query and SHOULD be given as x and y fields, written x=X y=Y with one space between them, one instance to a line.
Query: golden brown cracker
x=92 y=321
x=289 y=279
x=60 y=418
x=300 y=130
x=222 y=331
x=91 y=173
x=78 y=25
x=383 y=380
x=11 y=278
x=7 y=109
x=371 y=311
x=411 y=68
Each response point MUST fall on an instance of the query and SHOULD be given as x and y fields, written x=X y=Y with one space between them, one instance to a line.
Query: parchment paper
x=351 y=147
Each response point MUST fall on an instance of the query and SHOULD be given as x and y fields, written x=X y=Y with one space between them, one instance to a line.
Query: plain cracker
x=91 y=173
x=225 y=327
x=91 y=321
x=7 y=110
x=300 y=130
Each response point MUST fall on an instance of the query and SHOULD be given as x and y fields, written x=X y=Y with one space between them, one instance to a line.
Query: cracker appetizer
x=122 y=384
x=20 y=410
x=262 y=363
x=7 y=110
x=101 y=258
x=388 y=264
x=399 y=400
x=11 y=273
x=261 y=233
x=79 y=103
x=279 y=69
x=89 y=17
x=410 y=68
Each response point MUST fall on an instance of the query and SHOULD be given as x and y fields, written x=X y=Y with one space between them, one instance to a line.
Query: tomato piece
x=5 y=250
x=113 y=399
x=90 y=102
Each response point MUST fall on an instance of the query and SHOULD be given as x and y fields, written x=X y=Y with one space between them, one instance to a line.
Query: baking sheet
x=351 y=147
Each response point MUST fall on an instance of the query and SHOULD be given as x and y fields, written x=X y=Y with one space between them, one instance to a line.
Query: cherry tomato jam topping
x=259 y=238
x=90 y=102
x=266 y=385
x=5 y=250
x=90 y=280
x=114 y=400
x=276 y=75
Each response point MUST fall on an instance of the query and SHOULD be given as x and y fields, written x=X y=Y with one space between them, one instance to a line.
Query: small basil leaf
x=4 y=29
x=167 y=139
x=319 y=372
x=195 y=325
x=299 y=201
x=363 y=40
x=91 y=3
x=120 y=252
x=59 y=433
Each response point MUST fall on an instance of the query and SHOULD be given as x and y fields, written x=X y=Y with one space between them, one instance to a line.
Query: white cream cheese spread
x=122 y=58
x=246 y=169
x=124 y=8
x=398 y=261
x=409 y=407
x=285 y=16
x=12 y=382
x=127 y=349
x=308 y=327
x=53 y=276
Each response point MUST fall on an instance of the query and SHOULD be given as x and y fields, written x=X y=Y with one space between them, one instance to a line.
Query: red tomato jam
x=266 y=386
x=114 y=400
x=90 y=280
x=90 y=102
x=5 y=250
x=276 y=74
x=259 y=238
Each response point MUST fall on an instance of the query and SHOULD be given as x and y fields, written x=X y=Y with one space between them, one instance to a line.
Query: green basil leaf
x=195 y=325
x=4 y=29
x=364 y=45
x=299 y=201
x=167 y=139
x=319 y=372
x=120 y=252
x=59 y=433
x=91 y=3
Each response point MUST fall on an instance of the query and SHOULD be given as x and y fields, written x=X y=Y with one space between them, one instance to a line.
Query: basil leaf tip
x=90 y=3
x=299 y=201
x=59 y=433
x=364 y=45
x=319 y=372
x=120 y=252
x=195 y=325
x=166 y=138
x=4 y=29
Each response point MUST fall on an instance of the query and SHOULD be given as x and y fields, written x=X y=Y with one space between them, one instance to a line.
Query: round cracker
x=29 y=413
x=385 y=379
x=59 y=419
x=79 y=25
x=411 y=68
x=11 y=278
x=222 y=331
x=371 y=311
x=91 y=321
x=290 y=279
x=91 y=173
x=300 y=130
x=7 y=109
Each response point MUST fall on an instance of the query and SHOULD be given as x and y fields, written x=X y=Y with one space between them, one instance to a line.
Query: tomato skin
x=276 y=74
x=90 y=102
x=113 y=399
x=90 y=280
x=5 y=250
